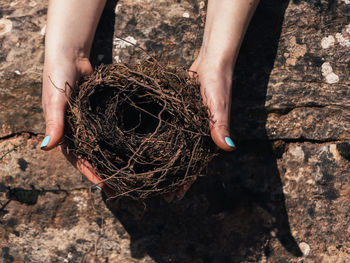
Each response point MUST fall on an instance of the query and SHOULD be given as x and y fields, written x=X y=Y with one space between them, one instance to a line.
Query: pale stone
x=186 y=15
x=5 y=26
x=123 y=43
x=332 y=78
x=326 y=69
x=342 y=40
x=305 y=248
x=327 y=42
x=43 y=31
x=347 y=29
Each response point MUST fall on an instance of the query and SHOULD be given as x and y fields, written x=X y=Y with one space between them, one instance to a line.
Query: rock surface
x=283 y=196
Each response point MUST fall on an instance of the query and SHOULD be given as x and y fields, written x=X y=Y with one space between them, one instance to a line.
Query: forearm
x=226 y=24
x=71 y=25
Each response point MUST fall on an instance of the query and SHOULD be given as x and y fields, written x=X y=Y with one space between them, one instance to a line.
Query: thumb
x=219 y=106
x=54 y=100
x=220 y=134
x=216 y=95
x=54 y=118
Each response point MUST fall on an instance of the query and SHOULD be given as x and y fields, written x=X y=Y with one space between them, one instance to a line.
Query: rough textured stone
x=283 y=196
x=22 y=55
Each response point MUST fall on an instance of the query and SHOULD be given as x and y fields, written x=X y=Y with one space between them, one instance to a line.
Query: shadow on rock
x=231 y=214
x=102 y=47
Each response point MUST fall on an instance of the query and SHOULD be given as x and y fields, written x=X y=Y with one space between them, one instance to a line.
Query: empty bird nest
x=143 y=128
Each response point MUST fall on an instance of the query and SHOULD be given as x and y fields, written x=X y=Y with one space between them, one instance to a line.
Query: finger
x=82 y=165
x=54 y=100
x=87 y=170
x=220 y=134
x=84 y=66
x=192 y=74
x=57 y=81
x=219 y=104
x=169 y=197
x=183 y=189
x=54 y=107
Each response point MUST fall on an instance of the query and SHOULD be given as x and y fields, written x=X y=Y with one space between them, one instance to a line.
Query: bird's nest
x=143 y=128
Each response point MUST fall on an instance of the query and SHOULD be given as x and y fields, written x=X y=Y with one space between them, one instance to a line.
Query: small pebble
x=326 y=69
x=327 y=72
x=342 y=40
x=332 y=78
x=32 y=4
x=305 y=248
x=327 y=42
x=5 y=26
x=43 y=31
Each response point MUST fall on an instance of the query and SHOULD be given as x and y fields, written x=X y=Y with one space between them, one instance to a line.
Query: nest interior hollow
x=143 y=128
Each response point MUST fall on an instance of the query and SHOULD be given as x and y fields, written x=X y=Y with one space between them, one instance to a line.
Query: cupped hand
x=215 y=81
x=58 y=78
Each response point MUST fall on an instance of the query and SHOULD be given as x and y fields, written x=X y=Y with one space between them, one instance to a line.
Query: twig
x=11 y=150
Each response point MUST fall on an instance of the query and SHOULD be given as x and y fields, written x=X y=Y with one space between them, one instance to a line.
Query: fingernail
x=170 y=199
x=181 y=197
x=230 y=142
x=99 y=188
x=45 y=142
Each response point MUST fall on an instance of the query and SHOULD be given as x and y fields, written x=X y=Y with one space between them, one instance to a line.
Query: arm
x=225 y=27
x=71 y=26
x=226 y=24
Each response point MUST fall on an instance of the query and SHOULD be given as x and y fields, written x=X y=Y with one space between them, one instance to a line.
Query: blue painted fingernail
x=45 y=142
x=99 y=188
x=181 y=197
x=170 y=199
x=230 y=142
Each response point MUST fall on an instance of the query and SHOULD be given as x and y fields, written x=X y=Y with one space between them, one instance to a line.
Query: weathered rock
x=283 y=196
x=22 y=55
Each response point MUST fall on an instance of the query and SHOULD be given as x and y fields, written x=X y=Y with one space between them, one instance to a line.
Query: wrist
x=216 y=58
x=65 y=54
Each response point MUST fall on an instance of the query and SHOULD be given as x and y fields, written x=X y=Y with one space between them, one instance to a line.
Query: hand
x=215 y=78
x=57 y=80
x=224 y=31
x=70 y=29
x=58 y=77
x=226 y=23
